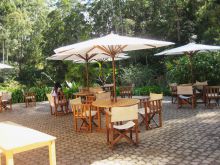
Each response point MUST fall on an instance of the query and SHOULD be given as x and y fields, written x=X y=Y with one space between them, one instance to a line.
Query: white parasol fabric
x=189 y=49
x=5 y=66
x=111 y=45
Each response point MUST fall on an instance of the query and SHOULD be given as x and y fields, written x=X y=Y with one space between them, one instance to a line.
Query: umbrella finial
x=193 y=38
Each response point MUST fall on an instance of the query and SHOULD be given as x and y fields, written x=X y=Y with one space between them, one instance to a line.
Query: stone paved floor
x=187 y=137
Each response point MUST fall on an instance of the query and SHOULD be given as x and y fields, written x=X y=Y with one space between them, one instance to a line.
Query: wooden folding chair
x=212 y=93
x=152 y=107
x=185 y=95
x=173 y=90
x=121 y=121
x=6 y=101
x=59 y=104
x=85 y=114
x=30 y=99
x=125 y=91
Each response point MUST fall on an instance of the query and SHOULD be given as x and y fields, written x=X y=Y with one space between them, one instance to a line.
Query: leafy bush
x=154 y=89
x=40 y=92
x=139 y=75
x=17 y=96
x=146 y=90
x=205 y=67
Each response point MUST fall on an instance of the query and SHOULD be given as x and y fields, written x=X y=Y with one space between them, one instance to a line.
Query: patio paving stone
x=187 y=137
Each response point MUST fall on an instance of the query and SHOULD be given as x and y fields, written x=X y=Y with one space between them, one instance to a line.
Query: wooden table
x=83 y=94
x=121 y=102
x=16 y=138
x=108 y=87
x=142 y=99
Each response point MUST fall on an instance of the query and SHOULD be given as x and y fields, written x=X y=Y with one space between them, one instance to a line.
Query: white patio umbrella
x=190 y=50
x=5 y=66
x=111 y=45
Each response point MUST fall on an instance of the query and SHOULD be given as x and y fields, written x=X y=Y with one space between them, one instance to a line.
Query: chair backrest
x=156 y=96
x=89 y=99
x=80 y=110
x=75 y=101
x=212 y=91
x=83 y=89
x=50 y=99
x=153 y=106
x=96 y=89
x=103 y=96
x=6 y=95
x=173 y=88
x=184 y=90
x=125 y=91
x=200 y=85
x=188 y=84
x=61 y=98
x=124 y=113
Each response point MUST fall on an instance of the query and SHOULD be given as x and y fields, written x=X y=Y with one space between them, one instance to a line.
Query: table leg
x=99 y=118
x=9 y=158
x=52 y=153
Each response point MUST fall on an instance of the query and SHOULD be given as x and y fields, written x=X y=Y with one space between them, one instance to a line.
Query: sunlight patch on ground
x=207 y=114
x=166 y=101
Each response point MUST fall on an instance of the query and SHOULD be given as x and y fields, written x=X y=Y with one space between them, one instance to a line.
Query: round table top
x=108 y=85
x=141 y=97
x=84 y=93
x=120 y=103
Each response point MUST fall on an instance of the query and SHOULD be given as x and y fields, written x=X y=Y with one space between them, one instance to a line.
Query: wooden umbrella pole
x=114 y=82
x=191 y=67
x=87 y=74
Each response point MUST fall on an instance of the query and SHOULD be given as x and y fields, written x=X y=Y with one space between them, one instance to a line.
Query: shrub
x=154 y=89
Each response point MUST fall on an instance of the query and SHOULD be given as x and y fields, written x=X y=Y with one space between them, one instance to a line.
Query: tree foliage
x=31 y=30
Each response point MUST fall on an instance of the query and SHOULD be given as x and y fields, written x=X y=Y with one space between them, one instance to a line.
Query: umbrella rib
x=68 y=56
x=80 y=56
x=104 y=49
x=152 y=46
x=120 y=49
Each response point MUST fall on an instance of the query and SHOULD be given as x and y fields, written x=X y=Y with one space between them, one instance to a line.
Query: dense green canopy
x=31 y=30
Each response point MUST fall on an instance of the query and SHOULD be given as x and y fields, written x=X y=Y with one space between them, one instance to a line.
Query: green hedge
x=154 y=89
x=141 y=91
x=18 y=94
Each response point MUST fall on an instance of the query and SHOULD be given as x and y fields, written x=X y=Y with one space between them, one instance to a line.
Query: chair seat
x=93 y=113
x=128 y=125
x=184 y=97
x=29 y=97
x=5 y=100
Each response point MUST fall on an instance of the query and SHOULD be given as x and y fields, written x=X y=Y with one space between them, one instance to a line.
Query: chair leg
x=10 y=102
x=75 y=124
x=160 y=119
x=136 y=132
x=147 y=121
x=107 y=131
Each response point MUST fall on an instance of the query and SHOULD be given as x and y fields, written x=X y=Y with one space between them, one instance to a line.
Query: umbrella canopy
x=189 y=49
x=5 y=66
x=111 y=45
